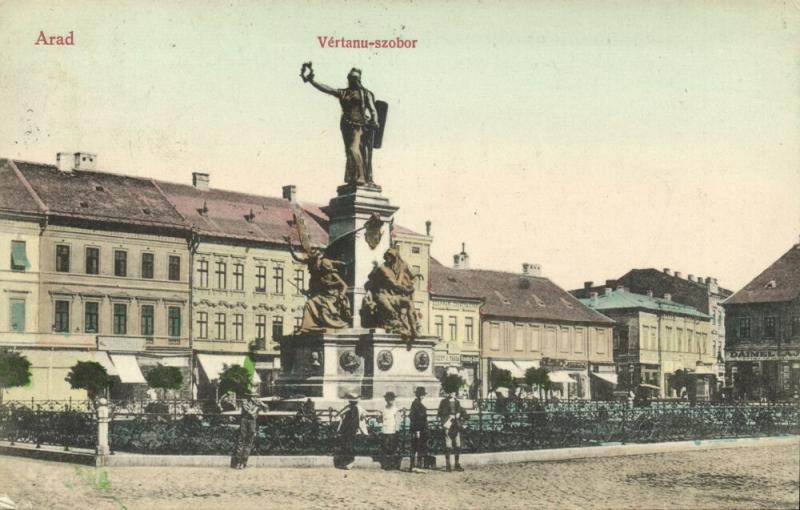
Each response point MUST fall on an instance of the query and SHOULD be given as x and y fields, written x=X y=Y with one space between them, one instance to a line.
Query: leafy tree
x=451 y=383
x=90 y=376
x=15 y=370
x=538 y=377
x=235 y=378
x=501 y=378
x=164 y=378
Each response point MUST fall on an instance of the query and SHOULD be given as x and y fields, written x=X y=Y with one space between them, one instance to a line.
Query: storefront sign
x=563 y=364
x=443 y=358
x=764 y=354
x=470 y=359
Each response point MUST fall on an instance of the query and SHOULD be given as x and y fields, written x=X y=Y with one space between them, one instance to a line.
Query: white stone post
x=102 y=427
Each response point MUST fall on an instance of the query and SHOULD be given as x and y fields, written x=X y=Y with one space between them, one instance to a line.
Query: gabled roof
x=512 y=295
x=625 y=300
x=779 y=282
x=99 y=196
x=221 y=213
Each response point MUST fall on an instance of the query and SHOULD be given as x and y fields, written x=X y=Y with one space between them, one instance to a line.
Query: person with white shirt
x=390 y=421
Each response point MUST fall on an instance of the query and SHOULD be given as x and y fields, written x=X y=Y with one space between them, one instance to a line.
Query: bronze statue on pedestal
x=389 y=300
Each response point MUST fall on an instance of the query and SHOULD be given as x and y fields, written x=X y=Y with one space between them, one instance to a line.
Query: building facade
x=110 y=261
x=763 y=332
x=528 y=321
x=656 y=337
x=704 y=294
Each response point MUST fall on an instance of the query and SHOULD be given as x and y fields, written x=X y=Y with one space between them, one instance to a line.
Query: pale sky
x=589 y=137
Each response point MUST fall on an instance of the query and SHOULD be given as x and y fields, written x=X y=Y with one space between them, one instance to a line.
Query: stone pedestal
x=328 y=365
x=348 y=212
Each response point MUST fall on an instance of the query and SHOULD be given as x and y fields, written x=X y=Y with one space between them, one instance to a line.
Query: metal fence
x=508 y=427
x=67 y=428
x=557 y=427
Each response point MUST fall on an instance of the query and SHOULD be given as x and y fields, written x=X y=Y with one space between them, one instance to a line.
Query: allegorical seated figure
x=327 y=306
x=389 y=300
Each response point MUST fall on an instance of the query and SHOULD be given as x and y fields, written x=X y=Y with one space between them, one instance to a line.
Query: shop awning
x=128 y=368
x=510 y=366
x=608 y=377
x=652 y=387
x=452 y=370
x=526 y=364
x=102 y=358
x=18 y=256
x=214 y=364
x=560 y=376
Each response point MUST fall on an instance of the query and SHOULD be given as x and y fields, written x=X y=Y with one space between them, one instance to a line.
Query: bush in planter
x=451 y=383
x=164 y=378
x=90 y=376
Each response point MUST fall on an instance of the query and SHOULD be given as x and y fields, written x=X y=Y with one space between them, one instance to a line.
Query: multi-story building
x=763 y=332
x=110 y=261
x=527 y=321
x=654 y=338
x=703 y=294
x=455 y=318
x=415 y=250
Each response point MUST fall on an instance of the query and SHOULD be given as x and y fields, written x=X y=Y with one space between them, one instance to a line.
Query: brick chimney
x=69 y=161
x=677 y=274
x=428 y=228
x=200 y=180
x=607 y=291
x=667 y=271
x=668 y=296
x=594 y=297
x=587 y=285
x=290 y=193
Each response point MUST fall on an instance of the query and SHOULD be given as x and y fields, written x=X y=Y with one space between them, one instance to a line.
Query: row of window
x=221 y=330
x=769 y=327
x=120 y=326
x=220 y=275
x=452 y=328
x=553 y=341
x=120 y=261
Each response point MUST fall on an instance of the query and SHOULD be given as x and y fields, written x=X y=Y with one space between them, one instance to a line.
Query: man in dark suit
x=418 y=416
x=452 y=417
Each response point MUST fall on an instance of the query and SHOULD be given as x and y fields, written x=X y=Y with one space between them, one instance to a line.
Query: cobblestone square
x=754 y=477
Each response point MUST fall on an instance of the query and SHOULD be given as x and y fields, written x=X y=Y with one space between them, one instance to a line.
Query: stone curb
x=467 y=460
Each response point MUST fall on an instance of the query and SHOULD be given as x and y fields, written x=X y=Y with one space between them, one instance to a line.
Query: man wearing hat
x=418 y=428
x=248 y=428
x=352 y=421
x=389 y=422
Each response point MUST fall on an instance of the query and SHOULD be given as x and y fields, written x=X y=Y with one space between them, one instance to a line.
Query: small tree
x=164 y=378
x=538 y=377
x=451 y=383
x=234 y=378
x=15 y=370
x=90 y=376
x=501 y=378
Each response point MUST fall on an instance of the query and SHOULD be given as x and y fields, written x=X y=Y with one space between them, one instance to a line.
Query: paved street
x=762 y=477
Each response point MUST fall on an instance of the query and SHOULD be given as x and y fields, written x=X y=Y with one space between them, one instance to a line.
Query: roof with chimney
x=95 y=195
x=779 y=282
x=231 y=214
x=625 y=300
x=121 y=199
x=512 y=295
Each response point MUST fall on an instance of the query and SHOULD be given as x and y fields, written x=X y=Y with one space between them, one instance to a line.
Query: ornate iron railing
x=485 y=431
x=67 y=428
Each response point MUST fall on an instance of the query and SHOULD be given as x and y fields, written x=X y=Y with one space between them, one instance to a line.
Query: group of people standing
x=353 y=421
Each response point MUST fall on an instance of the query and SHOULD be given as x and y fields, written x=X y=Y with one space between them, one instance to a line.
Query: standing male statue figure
x=359 y=123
